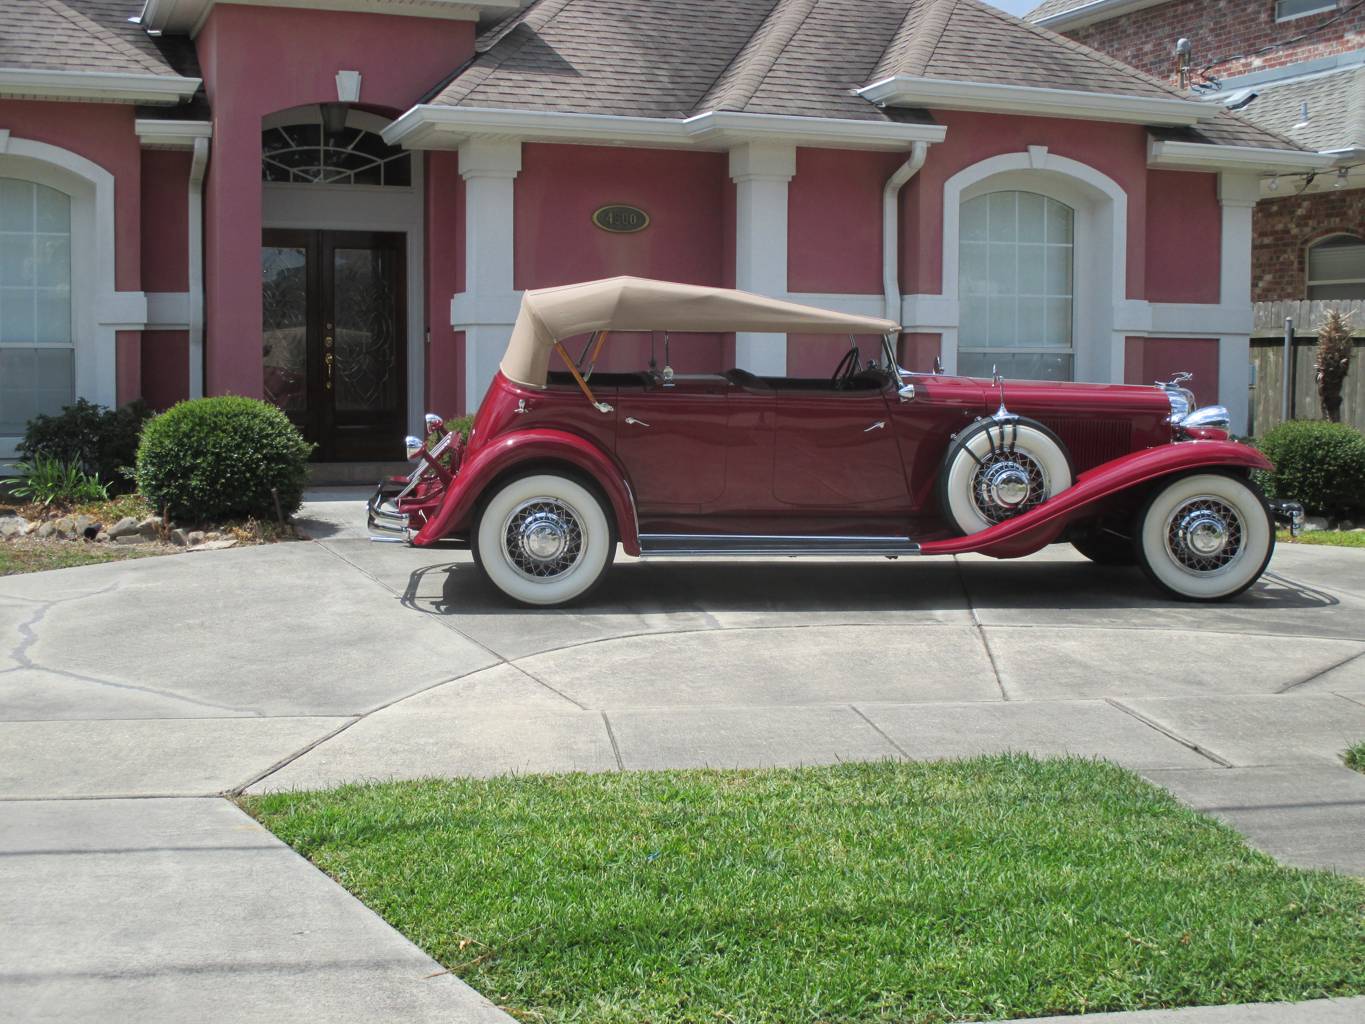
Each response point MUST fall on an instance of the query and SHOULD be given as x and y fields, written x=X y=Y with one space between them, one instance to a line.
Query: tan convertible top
x=549 y=315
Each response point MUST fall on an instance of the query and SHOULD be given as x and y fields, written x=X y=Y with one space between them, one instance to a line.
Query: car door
x=837 y=450
x=672 y=442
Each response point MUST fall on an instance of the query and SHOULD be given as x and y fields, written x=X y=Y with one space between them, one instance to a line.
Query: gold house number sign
x=620 y=219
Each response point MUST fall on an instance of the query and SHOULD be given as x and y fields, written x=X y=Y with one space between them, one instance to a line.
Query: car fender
x=487 y=462
x=1044 y=523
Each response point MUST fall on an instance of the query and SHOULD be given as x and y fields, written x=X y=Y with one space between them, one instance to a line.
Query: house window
x=309 y=154
x=1015 y=279
x=37 y=353
x=1287 y=9
x=1336 y=268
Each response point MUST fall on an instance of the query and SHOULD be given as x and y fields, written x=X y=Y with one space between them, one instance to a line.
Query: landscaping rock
x=13 y=526
x=101 y=537
x=32 y=528
x=150 y=527
x=123 y=527
x=131 y=538
x=65 y=528
x=1347 y=525
x=213 y=535
x=45 y=530
x=1313 y=523
x=215 y=545
x=194 y=538
x=83 y=523
x=180 y=538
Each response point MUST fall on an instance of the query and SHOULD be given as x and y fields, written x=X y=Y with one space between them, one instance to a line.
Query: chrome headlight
x=1215 y=416
x=434 y=422
x=414 y=446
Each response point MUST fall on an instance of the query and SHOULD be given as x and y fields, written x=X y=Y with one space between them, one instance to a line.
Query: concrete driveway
x=172 y=680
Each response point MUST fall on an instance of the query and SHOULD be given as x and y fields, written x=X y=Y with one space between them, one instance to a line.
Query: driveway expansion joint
x=1217 y=759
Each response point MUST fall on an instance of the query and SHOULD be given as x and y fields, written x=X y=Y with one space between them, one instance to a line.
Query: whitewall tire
x=543 y=539
x=996 y=470
x=1205 y=537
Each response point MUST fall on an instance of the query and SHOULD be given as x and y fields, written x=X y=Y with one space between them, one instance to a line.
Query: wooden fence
x=1267 y=388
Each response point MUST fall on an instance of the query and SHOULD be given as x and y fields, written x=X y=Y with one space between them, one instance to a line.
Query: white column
x=1237 y=194
x=489 y=168
x=761 y=172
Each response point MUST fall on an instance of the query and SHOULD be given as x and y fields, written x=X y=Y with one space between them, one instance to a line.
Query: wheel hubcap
x=543 y=538
x=1006 y=484
x=1204 y=534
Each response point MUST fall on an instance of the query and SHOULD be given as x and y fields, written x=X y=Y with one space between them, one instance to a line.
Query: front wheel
x=1205 y=537
x=543 y=540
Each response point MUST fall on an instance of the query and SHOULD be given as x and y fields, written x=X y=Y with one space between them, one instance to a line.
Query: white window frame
x=1025 y=350
x=1100 y=249
x=97 y=311
x=1322 y=8
x=1309 y=283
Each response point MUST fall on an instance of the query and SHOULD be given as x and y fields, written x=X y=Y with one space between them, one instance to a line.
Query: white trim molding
x=435 y=127
x=99 y=86
x=187 y=17
x=761 y=172
x=195 y=266
x=1205 y=156
x=157 y=134
x=168 y=311
x=949 y=94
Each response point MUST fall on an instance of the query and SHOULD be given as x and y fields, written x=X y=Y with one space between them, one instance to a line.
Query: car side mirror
x=907 y=392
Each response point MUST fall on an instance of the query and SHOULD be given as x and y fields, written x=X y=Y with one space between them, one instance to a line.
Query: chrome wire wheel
x=1008 y=483
x=542 y=538
x=1204 y=534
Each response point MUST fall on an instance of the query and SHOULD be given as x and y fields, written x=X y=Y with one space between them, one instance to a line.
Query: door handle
x=634 y=422
x=327 y=360
x=876 y=426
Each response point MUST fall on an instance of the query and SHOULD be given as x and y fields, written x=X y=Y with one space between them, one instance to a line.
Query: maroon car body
x=734 y=464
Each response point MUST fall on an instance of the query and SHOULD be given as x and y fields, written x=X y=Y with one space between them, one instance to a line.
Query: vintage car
x=561 y=467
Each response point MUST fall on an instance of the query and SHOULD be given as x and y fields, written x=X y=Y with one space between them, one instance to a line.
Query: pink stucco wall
x=253 y=66
x=1151 y=359
x=1184 y=236
x=559 y=187
x=1119 y=151
x=165 y=367
x=444 y=277
x=165 y=221
x=834 y=220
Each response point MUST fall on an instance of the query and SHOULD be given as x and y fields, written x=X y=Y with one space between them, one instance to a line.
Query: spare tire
x=997 y=469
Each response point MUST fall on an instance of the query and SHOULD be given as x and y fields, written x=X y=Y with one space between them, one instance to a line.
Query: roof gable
x=78 y=35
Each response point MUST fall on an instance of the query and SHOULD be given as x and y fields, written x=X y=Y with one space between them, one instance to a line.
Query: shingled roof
x=682 y=58
x=1049 y=8
x=1336 y=109
x=82 y=35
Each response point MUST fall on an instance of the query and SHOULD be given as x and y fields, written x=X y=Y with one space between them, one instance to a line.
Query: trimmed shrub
x=101 y=442
x=1319 y=463
x=218 y=458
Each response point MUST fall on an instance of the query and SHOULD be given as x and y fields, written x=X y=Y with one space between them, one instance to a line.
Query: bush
x=48 y=481
x=1319 y=463
x=101 y=442
x=218 y=458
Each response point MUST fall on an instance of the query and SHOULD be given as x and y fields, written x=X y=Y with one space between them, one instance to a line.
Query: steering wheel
x=847 y=368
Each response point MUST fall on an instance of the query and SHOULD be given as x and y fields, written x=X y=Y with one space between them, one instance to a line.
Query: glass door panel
x=284 y=334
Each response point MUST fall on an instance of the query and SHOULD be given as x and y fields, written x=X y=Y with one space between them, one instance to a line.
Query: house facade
x=1293 y=67
x=335 y=204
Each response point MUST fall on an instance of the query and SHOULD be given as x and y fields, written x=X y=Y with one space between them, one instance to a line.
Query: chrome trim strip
x=696 y=545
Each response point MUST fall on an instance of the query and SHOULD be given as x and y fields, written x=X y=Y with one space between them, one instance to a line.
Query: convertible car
x=563 y=465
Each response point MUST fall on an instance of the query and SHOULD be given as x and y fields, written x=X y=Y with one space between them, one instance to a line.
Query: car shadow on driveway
x=1040 y=586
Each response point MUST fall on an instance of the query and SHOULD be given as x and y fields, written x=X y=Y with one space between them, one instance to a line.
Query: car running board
x=700 y=545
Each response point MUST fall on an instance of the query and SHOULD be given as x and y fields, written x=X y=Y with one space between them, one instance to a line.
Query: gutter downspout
x=195 y=230
x=891 y=235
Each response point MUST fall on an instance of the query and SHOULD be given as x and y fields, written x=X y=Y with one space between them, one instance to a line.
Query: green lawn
x=1334 y=538
x=908 y=893
x=35 y=556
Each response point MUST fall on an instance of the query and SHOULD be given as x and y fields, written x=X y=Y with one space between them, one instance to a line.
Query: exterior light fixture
x=1274 y=184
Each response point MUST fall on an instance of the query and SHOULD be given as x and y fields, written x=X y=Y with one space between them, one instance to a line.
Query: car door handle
x=634 y=422
x=876 y=426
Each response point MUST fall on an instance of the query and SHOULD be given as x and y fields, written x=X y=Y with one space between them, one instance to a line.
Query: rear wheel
x=543 y=539
x=1205 y=537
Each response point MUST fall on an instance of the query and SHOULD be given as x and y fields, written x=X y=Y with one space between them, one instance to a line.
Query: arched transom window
x=309 y=154
x=1016 y=286
x=1336 y=268
x=37 y=353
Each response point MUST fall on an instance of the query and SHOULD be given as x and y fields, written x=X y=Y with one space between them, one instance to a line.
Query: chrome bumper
x=1288 y=514
x=386 y=523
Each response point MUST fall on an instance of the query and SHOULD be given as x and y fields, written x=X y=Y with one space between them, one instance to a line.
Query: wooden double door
x=334 y=338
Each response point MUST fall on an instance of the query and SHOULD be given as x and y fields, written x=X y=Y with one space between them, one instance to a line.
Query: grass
x=1335 y=538
x=1355 y=756
x=28 y=555
x=913 y=893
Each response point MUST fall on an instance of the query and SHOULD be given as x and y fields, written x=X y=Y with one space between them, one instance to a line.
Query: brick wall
x=1283 y=229
x=1219 y=29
